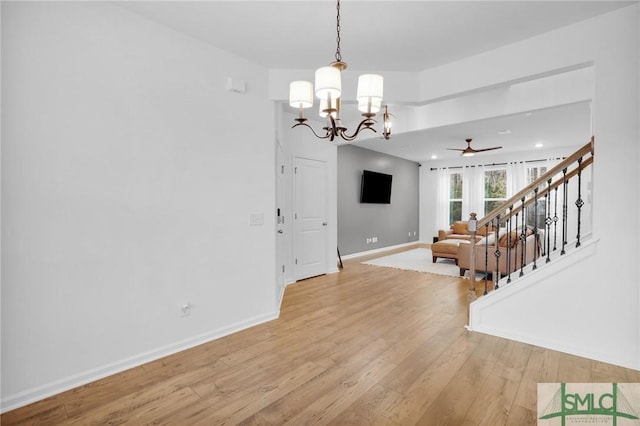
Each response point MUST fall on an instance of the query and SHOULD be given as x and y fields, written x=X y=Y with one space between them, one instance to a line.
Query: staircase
x=552 y=208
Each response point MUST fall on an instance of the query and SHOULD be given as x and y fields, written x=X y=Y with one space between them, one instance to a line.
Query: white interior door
x=310 y=218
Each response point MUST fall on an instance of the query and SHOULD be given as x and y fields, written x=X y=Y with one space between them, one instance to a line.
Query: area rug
x=420 y=260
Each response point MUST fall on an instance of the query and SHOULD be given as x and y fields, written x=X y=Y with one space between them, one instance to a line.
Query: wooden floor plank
x=458 y=396
x=492 y=404
x=496 y=397
x=520 y=416
x=47 y=412
x=368 y=407
x=330 y=405
x=366 y=345
x=425 y=388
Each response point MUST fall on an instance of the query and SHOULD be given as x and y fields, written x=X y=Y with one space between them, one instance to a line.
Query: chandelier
x=329 y=90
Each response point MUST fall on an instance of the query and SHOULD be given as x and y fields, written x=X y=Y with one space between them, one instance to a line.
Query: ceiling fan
x=468 y=151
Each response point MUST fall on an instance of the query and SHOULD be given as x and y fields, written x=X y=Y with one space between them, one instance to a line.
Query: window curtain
x=550 y=163
x=475 y=177
x=516 y=177
x=473 y=187
x=442 y=214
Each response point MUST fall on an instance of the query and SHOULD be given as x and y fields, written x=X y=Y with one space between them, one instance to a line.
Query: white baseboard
x=29 y=396
x=378 y=250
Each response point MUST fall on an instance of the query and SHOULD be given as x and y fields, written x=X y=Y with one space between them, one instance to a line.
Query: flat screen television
x=376 y=188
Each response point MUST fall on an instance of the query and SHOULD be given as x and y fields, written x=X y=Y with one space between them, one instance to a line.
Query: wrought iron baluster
x=509 y=244
x=496 y=275
x=535 y=227
x=565 y=209
x=516 y=253
x=555 y=220
x=523 y=237
x=579 y=201
x=548 y=220
x=486 y=259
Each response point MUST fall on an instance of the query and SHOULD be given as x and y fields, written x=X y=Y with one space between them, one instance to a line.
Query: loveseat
x=511 y=253
x=460 y=231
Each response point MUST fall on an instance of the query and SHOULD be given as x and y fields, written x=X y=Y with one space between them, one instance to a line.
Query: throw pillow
x=515 y=235
x=460 y=227
x=483 y=230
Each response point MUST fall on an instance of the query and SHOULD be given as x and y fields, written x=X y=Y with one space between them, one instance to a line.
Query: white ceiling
x=375 y=35
x=554 y=128
x=390 y=36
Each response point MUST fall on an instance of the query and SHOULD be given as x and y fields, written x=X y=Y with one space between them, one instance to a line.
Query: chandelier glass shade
x=328 y=83
x=328 y=90
x=301 y=94
x=370 y=87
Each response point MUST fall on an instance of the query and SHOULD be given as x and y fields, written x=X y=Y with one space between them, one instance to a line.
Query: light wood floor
x=367 y=345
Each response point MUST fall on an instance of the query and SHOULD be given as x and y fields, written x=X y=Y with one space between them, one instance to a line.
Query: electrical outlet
x=375 y=239
x=185 y=309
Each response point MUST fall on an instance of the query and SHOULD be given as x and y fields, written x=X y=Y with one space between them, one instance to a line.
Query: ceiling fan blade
x=468 y=151
x=488 y=149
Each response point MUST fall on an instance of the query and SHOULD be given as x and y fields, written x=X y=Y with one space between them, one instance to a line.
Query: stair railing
x=523 y=245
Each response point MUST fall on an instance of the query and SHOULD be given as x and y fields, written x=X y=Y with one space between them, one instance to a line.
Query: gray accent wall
x=391 y=224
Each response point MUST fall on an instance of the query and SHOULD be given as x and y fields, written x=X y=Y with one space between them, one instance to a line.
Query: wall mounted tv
x=376 y=188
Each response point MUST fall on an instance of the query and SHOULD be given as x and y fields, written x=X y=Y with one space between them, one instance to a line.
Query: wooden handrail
x=545 y=190
x=586 y=149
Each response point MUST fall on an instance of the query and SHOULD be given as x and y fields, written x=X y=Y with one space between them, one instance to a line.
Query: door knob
x=324 y=223
x=280 y=231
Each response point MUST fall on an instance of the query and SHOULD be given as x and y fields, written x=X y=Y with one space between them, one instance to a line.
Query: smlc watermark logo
x=616 y=404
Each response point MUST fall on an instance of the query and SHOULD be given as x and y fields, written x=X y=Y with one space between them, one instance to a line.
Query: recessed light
x=504 y=132
x=539 y=145
x=434 y=157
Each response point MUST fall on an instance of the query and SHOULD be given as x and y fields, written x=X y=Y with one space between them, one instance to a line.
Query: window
x=455 y=197
x=536 y=216
x=495 y=189
x=534 y=173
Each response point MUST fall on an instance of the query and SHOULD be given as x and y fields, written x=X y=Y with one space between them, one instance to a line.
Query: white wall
x=128 y=178
x=593 y=308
